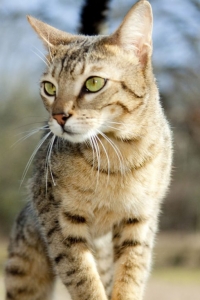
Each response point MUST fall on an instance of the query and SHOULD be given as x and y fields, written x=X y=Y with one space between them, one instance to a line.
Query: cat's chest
x=105 y=200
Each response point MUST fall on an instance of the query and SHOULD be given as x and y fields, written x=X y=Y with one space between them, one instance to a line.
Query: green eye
x=95 y=84
x=49 y=88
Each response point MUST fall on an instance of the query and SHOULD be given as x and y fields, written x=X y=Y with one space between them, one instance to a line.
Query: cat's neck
x=112 y=155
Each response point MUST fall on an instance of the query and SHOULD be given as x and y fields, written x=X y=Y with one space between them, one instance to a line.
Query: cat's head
x=100 y=84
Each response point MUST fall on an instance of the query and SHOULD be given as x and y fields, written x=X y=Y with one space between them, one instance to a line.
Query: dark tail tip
x=93 y=16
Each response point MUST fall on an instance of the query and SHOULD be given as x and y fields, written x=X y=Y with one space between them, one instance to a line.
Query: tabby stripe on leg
x=60 y=257
x=22 y=291
x=75 y=219
x=119 y=250
x=73 y=240
x=21 y=256
x=116 y=236
x=130 y=243
x=71 y=272
x=52 y=231
x=82 y=281
x=132 y=221
x=54 y=227
x=68 y=283
x=15 y=271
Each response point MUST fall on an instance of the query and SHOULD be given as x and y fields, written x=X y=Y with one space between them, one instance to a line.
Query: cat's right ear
x=50 y=36
x=135 y=32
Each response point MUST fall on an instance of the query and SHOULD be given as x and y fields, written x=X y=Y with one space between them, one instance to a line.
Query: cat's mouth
x=68 y=132
x=71 y=136
x=76 y=131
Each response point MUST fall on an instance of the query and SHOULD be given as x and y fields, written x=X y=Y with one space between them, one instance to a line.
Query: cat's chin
x=72 y=136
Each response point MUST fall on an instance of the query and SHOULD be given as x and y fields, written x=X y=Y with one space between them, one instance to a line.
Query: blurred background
x=176 y=61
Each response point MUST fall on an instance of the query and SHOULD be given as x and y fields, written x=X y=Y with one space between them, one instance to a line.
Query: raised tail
x=93 y=17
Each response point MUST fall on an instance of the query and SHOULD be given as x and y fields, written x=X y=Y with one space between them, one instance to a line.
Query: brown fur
x=105 y=180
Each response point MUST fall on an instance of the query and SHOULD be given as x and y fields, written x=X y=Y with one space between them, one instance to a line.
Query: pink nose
x=61 y=118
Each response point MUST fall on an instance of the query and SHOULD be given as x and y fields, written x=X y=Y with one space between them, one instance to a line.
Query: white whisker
x=30 y=133
x=93 y=152
x=40 y=58
x=49 y=158
x=32 y=157
x=115 y=148
x=58 y=143
x=112 y=127
x=42 y=122
x=35 y=129
x=48 y=161
x=24 y=137
x=32 y=130
x=108 y=161
x=96 y=148
x=118 y=123
x=43 y=55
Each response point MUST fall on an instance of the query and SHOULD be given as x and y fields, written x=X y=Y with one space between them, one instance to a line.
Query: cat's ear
x=50 y=36
x=135 y=32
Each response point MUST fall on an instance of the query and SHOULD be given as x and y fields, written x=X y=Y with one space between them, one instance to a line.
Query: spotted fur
x=100 y=175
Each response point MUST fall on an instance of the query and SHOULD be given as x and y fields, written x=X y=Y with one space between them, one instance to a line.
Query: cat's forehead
x=79 y=56
x=80 y=48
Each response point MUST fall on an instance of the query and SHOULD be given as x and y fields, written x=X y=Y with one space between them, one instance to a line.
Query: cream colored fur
x=108 y=164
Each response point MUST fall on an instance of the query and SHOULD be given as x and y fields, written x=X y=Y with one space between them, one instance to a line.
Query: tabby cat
x=101 y=171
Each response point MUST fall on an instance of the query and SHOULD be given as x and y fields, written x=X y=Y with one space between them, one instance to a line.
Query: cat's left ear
x=50 y=36
x=135 y=32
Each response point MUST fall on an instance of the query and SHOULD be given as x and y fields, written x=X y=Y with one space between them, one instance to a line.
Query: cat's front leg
x=69 y=247
x=133 y=242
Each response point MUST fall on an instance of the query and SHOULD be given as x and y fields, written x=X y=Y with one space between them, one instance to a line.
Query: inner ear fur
x=135 y=32
x=50 y=36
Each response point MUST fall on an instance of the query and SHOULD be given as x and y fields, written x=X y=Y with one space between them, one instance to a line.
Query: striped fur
x=93 y=210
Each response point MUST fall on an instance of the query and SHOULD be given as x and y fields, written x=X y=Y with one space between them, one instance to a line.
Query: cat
x=100 y=173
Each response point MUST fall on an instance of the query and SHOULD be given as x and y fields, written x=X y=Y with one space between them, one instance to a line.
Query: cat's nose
x=61 y=118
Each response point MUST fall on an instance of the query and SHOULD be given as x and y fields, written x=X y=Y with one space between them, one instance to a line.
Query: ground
x=178 y=282
x=156 y=289
x=162 y=285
